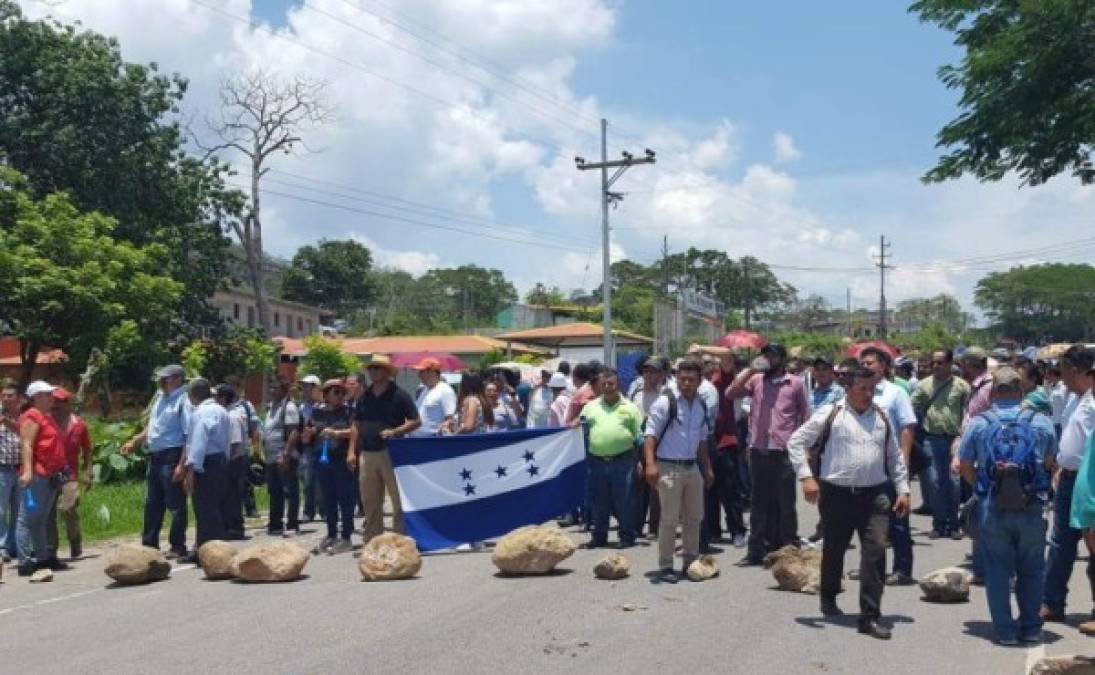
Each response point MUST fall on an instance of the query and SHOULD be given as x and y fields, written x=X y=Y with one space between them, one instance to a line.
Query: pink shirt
x=780 y=406
x=980 y=398
x=574 y=410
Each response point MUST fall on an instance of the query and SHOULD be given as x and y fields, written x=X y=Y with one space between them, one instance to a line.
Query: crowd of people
x=716 y=447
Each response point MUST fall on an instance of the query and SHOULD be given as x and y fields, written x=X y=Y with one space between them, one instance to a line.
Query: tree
x=545 y=297
x=75 y=117
x=1026 y=80
x=474 y=293
x=240 y=352
x=944 y=311
x=260 y=117
x=68 y=282
x=334 y=275
x=326 y=360
x=1040 y=303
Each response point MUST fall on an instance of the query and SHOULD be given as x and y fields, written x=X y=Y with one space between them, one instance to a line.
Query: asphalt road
x=460 y=617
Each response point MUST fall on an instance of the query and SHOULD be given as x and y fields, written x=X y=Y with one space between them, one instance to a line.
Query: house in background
x=291 y=319
x=576 y=342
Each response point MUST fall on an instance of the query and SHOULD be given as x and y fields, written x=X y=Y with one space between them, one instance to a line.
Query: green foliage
x=69 y=283
x=813 y=344
x=108 y=464
x=326 y=360
x=1026 y=82
x=444 y=301
x=75 y=117
x=544 y=296
x=492 y=357
x=1040 y=303
x=334 y=275
x=239 y=352
x=943 y=309
x=930 y=338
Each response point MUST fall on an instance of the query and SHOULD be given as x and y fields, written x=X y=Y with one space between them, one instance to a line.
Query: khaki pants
x=377 y=477
x=68 y=499
x=680 y=490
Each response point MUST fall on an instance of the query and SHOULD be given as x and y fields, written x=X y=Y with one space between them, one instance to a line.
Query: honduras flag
x=461 y=489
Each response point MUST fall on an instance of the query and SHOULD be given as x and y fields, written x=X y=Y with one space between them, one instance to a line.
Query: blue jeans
x=612 y=484
x=338 y=486
x=1063 y=541
x=164 y=494
x=1012 y=544
x=900 y=537
x=31 y=526
x=9 y=509
x=309 y=480
x=941 y=484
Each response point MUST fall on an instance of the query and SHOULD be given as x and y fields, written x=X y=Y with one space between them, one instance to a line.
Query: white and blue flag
x=461 y=489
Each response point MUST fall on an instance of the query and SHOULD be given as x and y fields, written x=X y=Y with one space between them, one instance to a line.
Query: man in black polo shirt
x=383 y=411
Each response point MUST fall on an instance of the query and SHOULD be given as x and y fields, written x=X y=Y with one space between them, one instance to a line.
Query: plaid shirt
x=10 y=448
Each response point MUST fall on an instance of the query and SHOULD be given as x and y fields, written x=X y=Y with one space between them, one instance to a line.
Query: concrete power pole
x=608 y=197
x=882 y=266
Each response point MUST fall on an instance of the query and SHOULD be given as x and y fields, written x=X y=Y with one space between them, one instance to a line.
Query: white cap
x=310 y=379
x=39 y=387
x=558 y=381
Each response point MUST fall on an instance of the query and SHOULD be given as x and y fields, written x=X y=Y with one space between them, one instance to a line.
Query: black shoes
x=52 y=563
x=874 y=629
x=900 y=579
x=829 y=608
x=26 y=569
x=668 y=576
x=749 y=561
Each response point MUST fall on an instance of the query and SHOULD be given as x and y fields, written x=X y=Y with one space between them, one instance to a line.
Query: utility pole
x=609 y=197
x=748 y=296
x=848 y=318
x=882 y=266
x=665 y=263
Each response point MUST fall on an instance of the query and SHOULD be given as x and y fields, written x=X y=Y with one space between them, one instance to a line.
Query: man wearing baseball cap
x=77 y=441
x=780 y=406
x=165 y=435
x=435 y=400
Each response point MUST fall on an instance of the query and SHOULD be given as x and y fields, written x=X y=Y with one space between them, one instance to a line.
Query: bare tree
x=262 y=115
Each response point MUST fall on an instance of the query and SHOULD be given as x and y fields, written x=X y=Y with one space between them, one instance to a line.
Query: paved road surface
x=459 y=617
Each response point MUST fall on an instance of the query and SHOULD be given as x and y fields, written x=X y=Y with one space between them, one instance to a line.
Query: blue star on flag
x=465 y=475
x=533 y=470
x=469 y=490
x=529 y=455
x=501 y=471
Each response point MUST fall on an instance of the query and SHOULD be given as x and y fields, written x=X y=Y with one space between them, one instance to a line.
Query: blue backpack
x=1011 y=464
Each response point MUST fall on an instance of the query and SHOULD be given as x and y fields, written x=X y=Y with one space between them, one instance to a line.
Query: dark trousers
x=284 y=492
x=866 y=512
x=210 y=495
x=233 y=500
x=900 y=537
x=612 y=484
x=310 y=483
x=164 y=494
x=647 y=502
x=725 y=493
x=338 y=487
x=745 y=480
x=773 y=522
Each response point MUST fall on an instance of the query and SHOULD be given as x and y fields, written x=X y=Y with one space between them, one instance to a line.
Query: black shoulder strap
x=886 y=442
x=671 y=417
x=936 y=394
x=826 y=431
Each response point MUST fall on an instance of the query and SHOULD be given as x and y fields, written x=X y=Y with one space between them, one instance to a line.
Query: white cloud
x=415 y=263
x=785 y=148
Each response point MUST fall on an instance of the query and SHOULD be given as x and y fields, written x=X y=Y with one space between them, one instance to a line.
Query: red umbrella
x=855 y=350
x=449 y=363
x=742 y=339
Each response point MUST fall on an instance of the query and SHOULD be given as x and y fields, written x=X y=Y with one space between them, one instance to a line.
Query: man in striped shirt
x=859 y=457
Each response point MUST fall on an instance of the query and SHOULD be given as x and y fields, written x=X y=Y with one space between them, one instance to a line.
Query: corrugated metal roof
x=399 y=344
x=569 y=331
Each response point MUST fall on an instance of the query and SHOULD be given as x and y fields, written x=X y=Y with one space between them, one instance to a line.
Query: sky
x=795 y=132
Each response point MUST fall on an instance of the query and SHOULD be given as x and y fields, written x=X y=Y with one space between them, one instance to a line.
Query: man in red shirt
x=42 y=469
x=77 y=441
x=726 y=491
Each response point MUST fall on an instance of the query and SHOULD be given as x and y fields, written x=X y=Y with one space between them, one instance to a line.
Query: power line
x=413 y=221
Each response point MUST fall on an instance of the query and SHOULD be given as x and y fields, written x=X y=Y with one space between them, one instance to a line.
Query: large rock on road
x=130 y=564
x=272 y=561
x=388 y=557
x=532 y=550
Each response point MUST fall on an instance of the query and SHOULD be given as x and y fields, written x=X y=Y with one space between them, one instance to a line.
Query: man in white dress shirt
x=859 y=455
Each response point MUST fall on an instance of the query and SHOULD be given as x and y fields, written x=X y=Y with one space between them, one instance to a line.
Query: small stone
x=41 y=576
x=532 y=550
x=130 y=564
x=615 y=566
x=389 y=557
x=271 y=561
x=1087 y=628
x=796 y=569
x=1064 y=665
x=703 y=568
x=950 y=584
x=215 y=558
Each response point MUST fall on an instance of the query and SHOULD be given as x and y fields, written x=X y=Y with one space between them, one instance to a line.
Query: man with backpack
x=1005 y=453
x=674 y=452
x=855 y=456
x=280 y=435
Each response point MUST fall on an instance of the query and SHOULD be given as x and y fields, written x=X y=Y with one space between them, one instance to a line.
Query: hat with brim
x=310 y=379
x=429 y=363
x=1006 y=378
x=173 y=370
x=39 y=387
x=382 y=361
x=331 y=384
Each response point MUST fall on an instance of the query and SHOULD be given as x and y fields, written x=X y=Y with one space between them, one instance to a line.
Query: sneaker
x=668 y=576
x=900 y=579
x=176 y=553
x=741 y=540
x=323 y=546
x=340 y=546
